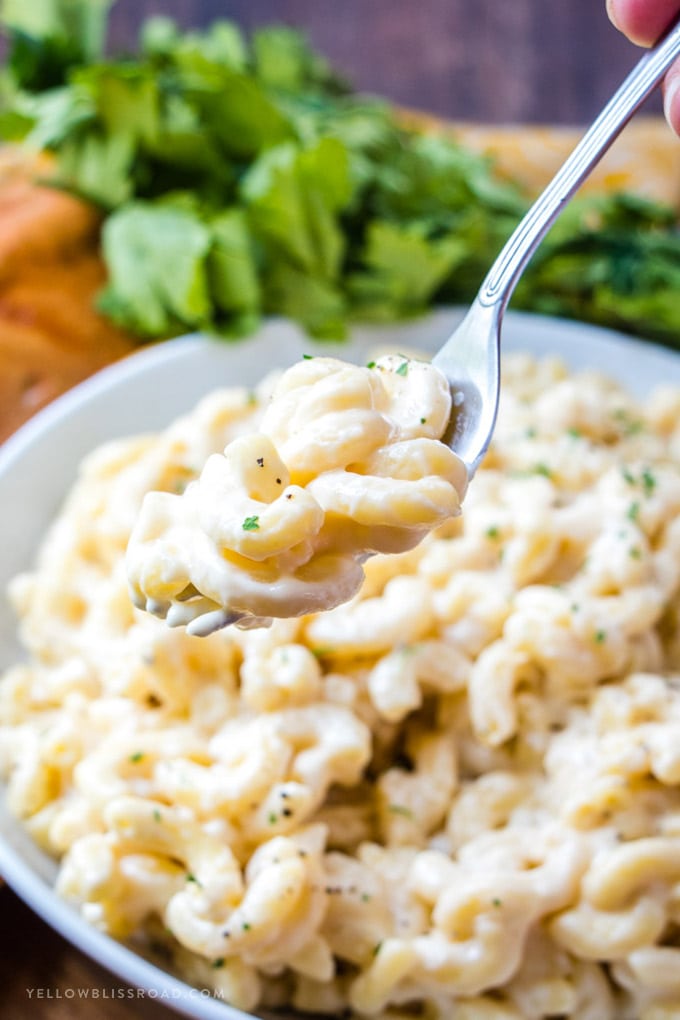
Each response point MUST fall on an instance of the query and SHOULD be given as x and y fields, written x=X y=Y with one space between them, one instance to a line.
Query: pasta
x=456 y=795
x=346 y=463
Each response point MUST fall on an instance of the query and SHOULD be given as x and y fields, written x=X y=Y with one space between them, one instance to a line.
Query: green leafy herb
x=251 y=523
x=243 y=177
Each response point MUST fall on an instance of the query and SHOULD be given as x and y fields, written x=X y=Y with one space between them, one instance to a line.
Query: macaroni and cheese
x=346 y=462
x=457 y=794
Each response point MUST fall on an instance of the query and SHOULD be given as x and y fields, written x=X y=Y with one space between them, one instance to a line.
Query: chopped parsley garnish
x=600 y=636
x=648 y=482
x=137 y=756
x=403 y=368
x=633 y=512
x=307 y=357
x=400 y=809
x=370 y=364
x=492 y=532
x=251 y=523
x=219 y=962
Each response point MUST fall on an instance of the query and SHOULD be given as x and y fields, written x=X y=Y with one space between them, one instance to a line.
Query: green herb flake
x=272 y=818
x=628 y=475
x=648 y=482
x=423 y=420
x=218 y=963
x=370 y=364
x=493 y=531
x=635 y=553
x=633 y=512
x=245 y=926
x=157 y=815
x=307 y=357
x=542 y=469
x=191 y=878
x=574 y=433
x=403 y=368
x=599 y=637
x=136 y=757
x=251 y=523
x=496 y=902
x=400 y=809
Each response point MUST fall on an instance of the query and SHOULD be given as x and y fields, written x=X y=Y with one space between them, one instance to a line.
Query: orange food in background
x=51 y=337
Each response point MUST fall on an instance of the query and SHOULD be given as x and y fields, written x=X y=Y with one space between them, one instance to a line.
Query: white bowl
x=145 y=392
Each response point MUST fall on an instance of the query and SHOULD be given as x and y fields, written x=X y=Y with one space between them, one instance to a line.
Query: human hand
x=643 y=21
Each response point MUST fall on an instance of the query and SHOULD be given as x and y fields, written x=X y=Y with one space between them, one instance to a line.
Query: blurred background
x=528 y=61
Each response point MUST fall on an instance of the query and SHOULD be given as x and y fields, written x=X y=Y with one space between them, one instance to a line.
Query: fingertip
x=613 y=14
x=642 y=21
x=671 y=100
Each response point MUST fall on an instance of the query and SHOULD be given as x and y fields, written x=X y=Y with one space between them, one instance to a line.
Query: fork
x=470 y=358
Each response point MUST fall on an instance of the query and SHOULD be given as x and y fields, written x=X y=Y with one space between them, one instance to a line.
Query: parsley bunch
x=240 y=178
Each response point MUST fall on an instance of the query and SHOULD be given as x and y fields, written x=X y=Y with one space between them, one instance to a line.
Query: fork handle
x=642 y=80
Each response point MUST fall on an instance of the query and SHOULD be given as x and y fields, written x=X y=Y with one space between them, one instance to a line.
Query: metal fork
x=470 y=358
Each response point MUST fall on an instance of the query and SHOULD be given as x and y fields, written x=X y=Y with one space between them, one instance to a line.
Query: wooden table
x=42 y=977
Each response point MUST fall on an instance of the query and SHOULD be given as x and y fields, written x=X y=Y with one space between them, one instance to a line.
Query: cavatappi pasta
x=455 y=796
x=346 y=462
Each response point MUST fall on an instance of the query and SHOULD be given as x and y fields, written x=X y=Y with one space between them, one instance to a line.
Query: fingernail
x=671 y=102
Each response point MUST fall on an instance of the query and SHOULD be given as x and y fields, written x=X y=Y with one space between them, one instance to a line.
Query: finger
x=671 y=97
x=643 y=21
